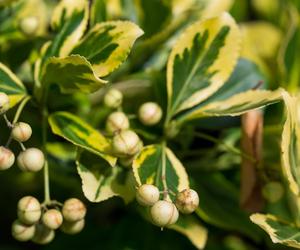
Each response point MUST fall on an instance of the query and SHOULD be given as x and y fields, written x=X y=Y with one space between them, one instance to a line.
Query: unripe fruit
x=7 y=158
x=150 y=113
x=52 y=218
x=32 y=159
x=4 y=103
x=72 y=227
x=29 y=25
x=29 y=210
x=273 y=191
x=21 y=231
x=117 y=121
x=113 y=98
x=21 y=131
x=164 y=213
x=187 y=201
x=43 y=235
x=126 y=143
x=147 y=195
x=73 y=210
x=126 y=161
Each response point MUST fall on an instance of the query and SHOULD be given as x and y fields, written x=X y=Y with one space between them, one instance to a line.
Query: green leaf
x=156 y=164
x=72 y=73
x=219 y=205
x=81 y=134
x=11 y=85
x=192 y=229
x=280 y=231
x=201 y=61
x=290 y=146
x=101 y=182
x=108 y=44
x=237 y=104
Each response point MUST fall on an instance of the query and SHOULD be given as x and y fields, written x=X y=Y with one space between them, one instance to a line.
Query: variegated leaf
x=201 y=61
x=101 y=182
x=157 y=165
x=108 y=44
x=237 y=104
x=81 y=134
x=280 y=231
x=290 y=144
x=72 y=73
x=216 y=7
x=11 y=85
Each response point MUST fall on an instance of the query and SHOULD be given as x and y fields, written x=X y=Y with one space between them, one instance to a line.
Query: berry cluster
x=126 y=143
x=37 y=222
x=31 y=159
x=164 y=212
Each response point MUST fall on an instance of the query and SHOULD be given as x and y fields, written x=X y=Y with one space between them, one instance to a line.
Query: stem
x=163 y=171
x=46 y=184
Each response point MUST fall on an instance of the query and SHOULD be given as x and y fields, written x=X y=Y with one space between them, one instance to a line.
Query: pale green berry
x=187 y=201
x=126 y=143
x=7 y=158
x=150 y=113
x=117 y=121
x=113 y=98
x=29 y=210
x=21 y=131
x=29 y=25
x=32 y=159
x=147 y=195
x=273 y=191
x=43 y=235
x=73 y=210
x=21 y=231
x=72 y=227
x=4 y=103
x=164 y=213
x=126 y=161
x=52 y=218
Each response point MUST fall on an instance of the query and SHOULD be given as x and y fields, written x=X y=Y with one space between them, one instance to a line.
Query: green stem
x=163 y=171
x=46 y=166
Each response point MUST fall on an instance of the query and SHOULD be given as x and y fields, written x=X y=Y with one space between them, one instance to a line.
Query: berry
x=164 y=213
x=117 y=121
x=126 y=161
x=187 y=201
x=113 y=98
x=29 y=25
x=21 y=131
x=72 y=227
x=21 y=231
x=73 y=210
x=7 y=158
x=32 y=159
x=4 y=103
x=147 y=195
x=43 y=235
x=273 y=191
x=150 y=113
x=126 y=143
x=29 y=210
x=52 y=219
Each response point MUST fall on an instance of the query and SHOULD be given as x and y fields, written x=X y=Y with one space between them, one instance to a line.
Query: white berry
x=147 y=195
x=29 y=25
x=43 y=235
x=72 y=227
x=150 y=113
x=187 y=201
x=7 y=158
x=21 y=131
x=29 y=210
x=117 y=121
x=113 y=98
x=52 y=218
x=32 y=159
x=126 y=143
x=164 y=213
x=4 y=103
x=73 y=210
x=21 y=231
